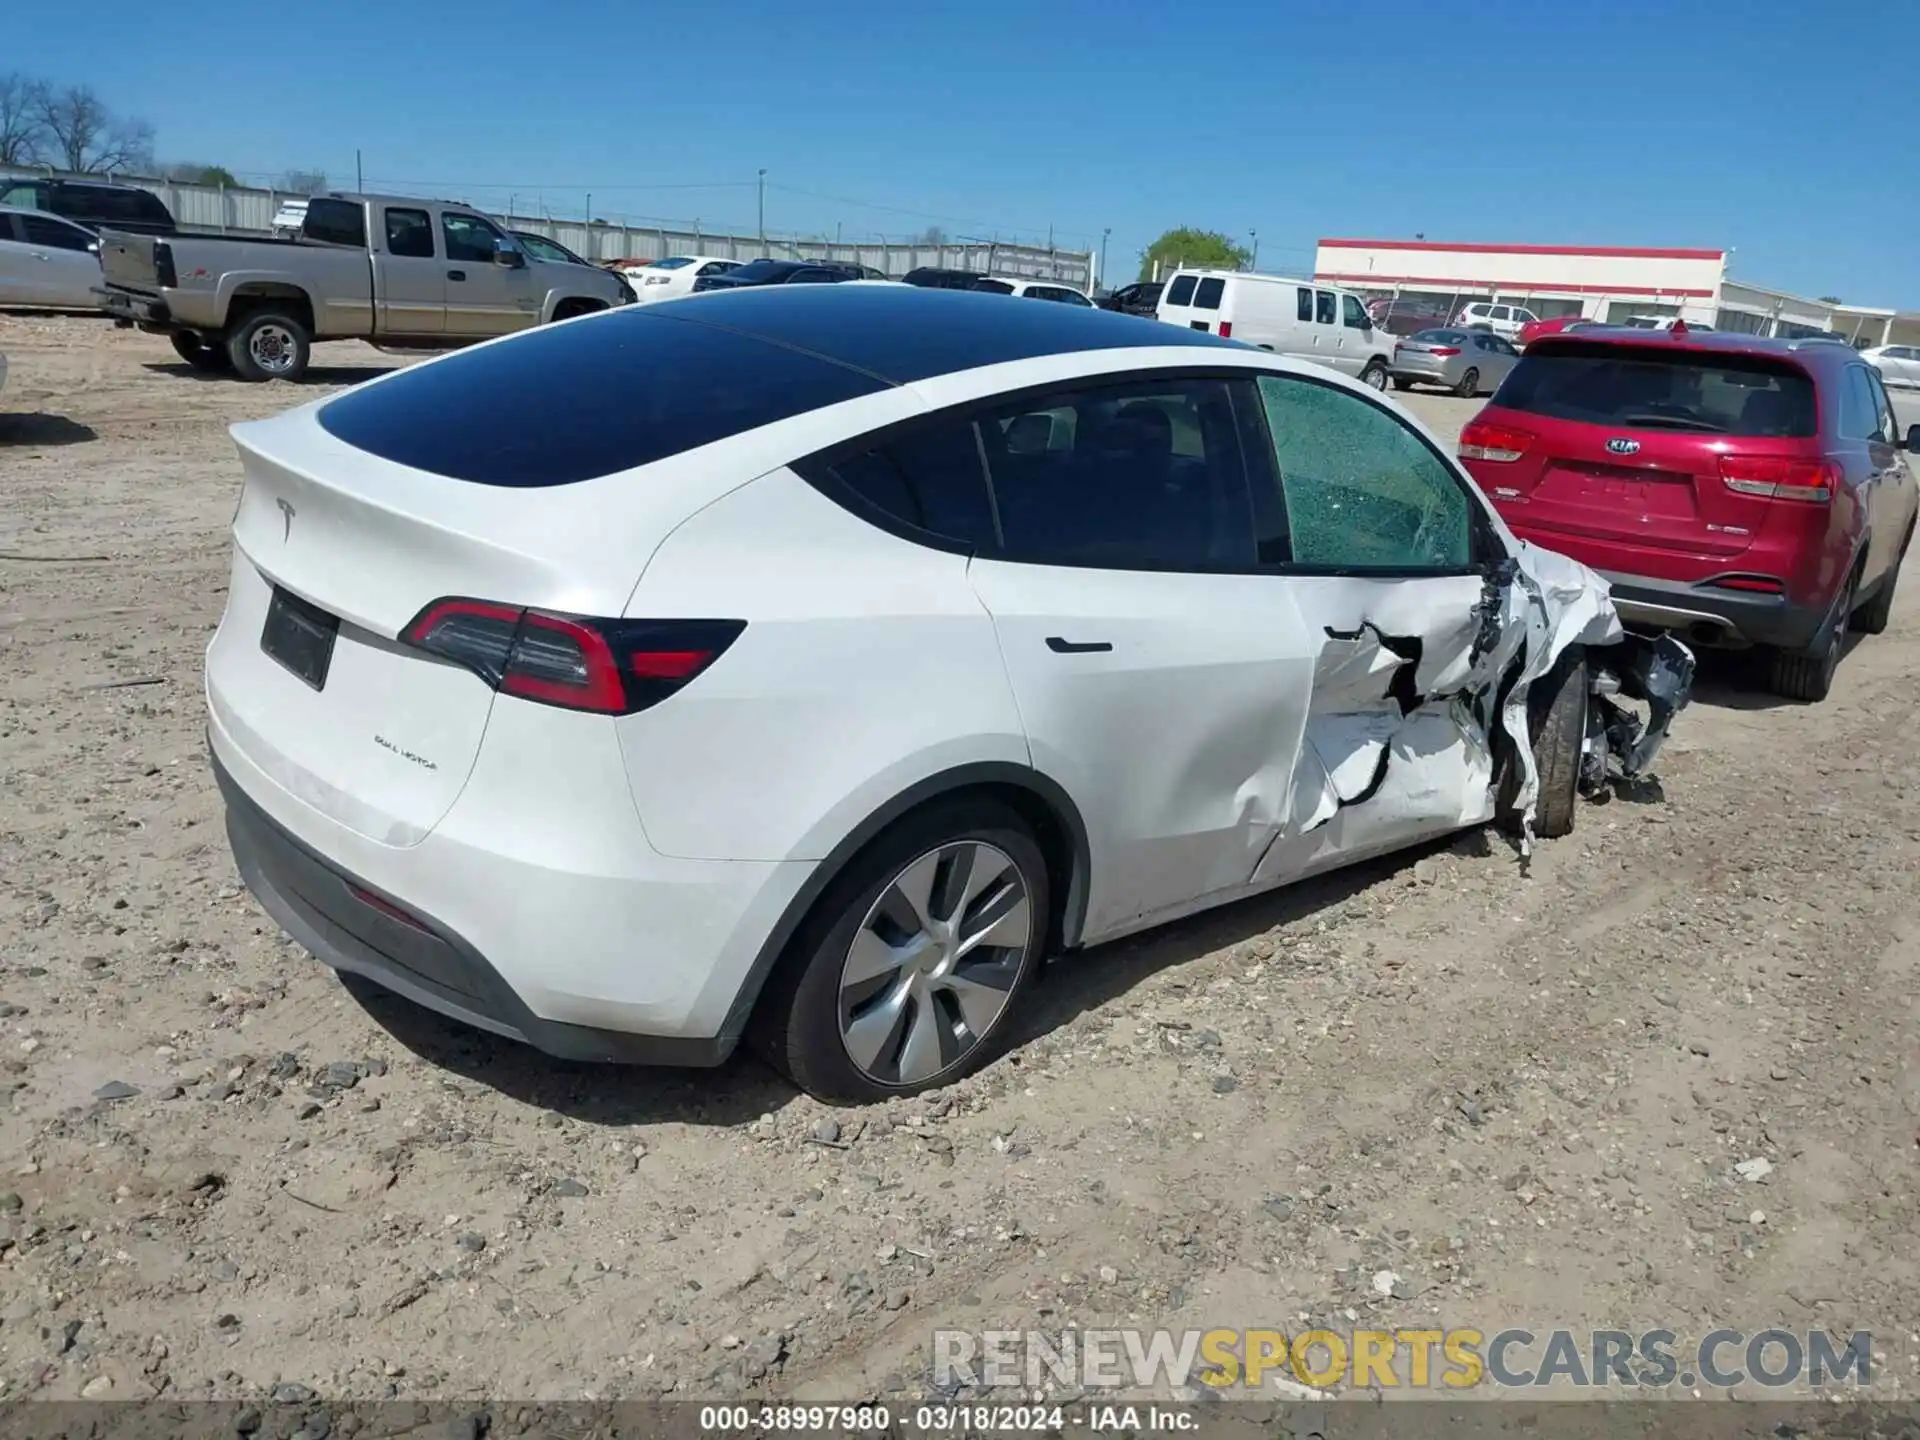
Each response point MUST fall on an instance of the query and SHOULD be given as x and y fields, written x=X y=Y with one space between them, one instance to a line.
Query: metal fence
x=249 y=210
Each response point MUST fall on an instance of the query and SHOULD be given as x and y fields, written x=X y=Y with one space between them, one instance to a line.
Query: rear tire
x=1469 y=385
x=861 y=944
x=269 y=345
x=1807 y=675
x=1872 y=618
x=1557 y=728
x=199 y=354
x=1375 y=375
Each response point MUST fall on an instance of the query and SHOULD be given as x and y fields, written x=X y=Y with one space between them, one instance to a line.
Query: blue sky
x=1760 y=125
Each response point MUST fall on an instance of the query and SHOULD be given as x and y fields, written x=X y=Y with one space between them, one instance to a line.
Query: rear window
x=573 y=402
x=1645 y=389
x=1180 y=292
x=1207 y=296
x=1441 y=337
x=672 y=262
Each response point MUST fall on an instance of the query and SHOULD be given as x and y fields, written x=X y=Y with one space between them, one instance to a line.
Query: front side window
x=409 y=234
x=1360 y=490
x=1354 y=314
x=542 y=248
x=1889 y=423
x=1181 y=291
x=716 y=267
x=1323 y=307
x=1141 y=475
x=468 y=238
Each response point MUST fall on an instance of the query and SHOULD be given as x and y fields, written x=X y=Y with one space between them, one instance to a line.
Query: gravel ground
x=1525 y=1096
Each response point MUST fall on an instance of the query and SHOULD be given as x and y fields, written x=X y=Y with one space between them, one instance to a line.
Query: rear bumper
x=1711 y=615
x=315 y=902
x=1433 y=373
x=133 y=306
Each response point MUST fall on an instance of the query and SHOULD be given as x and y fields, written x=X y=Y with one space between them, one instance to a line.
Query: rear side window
x=563 y=404
x=1861 y=416
x=110 y=203
x=1142 y=475
x=1303 y=304
x=1642 y=389
x=1181 y=291
x=338 y=222
x=409 y=234
x=1207 y=295
x=928 y=480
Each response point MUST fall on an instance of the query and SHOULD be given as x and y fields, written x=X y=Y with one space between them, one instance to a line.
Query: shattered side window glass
x=1361 y=490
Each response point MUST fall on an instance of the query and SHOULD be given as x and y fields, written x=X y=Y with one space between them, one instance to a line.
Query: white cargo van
x=1301 y=318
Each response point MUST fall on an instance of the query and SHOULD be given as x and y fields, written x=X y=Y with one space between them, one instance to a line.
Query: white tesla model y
x=812 y=662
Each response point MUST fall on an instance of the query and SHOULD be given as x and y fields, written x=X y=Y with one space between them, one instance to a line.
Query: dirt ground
x=1522 y=1095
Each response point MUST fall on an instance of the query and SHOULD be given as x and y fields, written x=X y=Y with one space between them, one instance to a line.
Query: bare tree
x=933 y=235
x=19 y=121
x=304 y=182
x=83 y=135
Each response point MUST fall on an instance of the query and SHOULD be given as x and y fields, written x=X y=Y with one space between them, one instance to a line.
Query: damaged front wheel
x=1557 y=727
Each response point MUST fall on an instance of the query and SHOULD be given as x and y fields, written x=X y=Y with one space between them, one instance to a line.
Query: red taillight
x=1480 y=441
x=609 y=667
x=1444 y=350
x=1226 y=329
x=1759 y=584
x=1778 y=478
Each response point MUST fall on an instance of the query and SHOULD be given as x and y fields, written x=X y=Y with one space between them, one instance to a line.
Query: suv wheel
x=909 y=971
x=1808 y=674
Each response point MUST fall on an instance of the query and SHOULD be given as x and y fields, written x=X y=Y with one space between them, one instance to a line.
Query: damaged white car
x=810 y=663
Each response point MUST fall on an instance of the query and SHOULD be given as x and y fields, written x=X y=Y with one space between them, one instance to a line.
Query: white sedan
x=652 y=280
x=1897 y=364
x=1034 y=290
x=811 y=663
x=47 y=262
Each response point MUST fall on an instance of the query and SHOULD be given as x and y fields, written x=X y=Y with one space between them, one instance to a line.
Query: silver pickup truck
x=402 y=273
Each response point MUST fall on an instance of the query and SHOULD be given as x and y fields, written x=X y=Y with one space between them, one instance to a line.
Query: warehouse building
x=1425 y=282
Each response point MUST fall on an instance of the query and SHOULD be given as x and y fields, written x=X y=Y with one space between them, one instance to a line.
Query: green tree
x=1203 y=249
x=192 y=174
x=1831 y=300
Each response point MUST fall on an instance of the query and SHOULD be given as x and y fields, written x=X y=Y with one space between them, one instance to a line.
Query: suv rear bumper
x=1711 y=615
x=424 y=961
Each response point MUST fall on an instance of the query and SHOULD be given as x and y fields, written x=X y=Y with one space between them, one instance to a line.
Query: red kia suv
x=1742 y=491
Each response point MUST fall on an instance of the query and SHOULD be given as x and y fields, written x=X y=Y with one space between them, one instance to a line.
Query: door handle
x=1062 y=646
x=456 y=274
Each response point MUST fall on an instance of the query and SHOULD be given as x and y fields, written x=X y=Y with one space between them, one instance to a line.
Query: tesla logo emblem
x=1621 y=447
x=286 y=516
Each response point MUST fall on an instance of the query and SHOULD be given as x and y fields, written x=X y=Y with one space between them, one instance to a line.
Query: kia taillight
x=1778 y=478
x=1444 y=350
x=609 y=667
x=1480 y=441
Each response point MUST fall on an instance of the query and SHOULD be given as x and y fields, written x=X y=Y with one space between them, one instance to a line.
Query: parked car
x=1033 y=289
x=663 y=279
x=1744 y=491
x=1467 y=362
x=47 y=262
x=401 y=272
x=1662 y=322
x=93 y=204
x=1397 y=315
x=1502 y=319
x=933 y=278
x=1300 y=318
x=775 y=272
x=724 y=807
x=1556 y=325
x=1897 y=364
x=539 y=247
x=1141 y=298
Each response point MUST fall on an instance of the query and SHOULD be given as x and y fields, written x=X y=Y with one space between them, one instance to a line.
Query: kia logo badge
x=1624 y=447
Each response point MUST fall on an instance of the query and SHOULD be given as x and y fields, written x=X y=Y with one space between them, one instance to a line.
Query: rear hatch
x=128 y=260
x=1636 y=443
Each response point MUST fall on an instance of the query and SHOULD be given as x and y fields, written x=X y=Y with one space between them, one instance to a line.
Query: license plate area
x=299 y=637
